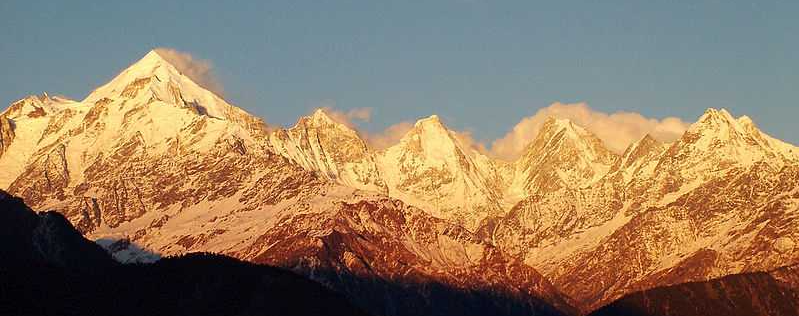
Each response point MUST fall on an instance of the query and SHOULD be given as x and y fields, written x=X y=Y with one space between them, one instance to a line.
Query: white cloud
x=361 y=114
x=390 y=136
x=198 y=70
x=466 y=138
x=617 y=130
x=380 y=140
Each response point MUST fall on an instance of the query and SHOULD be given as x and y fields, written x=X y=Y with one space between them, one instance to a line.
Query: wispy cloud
x=389 y=136
x=617 y=130
x=198 y=70
x=392 y=135
x=379 y=140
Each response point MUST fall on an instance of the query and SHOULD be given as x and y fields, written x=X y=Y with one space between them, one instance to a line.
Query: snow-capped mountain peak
x=432 y=119
x=746 y=122
x=432 y=169
x=556 y=133
x=430 y=138
x=153 y=79
x=151 y=64
x=640 y=149
x=150 y=107
x=148 y=67
x=639 y=159
x=321 y=119
x=34 y=106
x=554 y=125
x=562 y=154
x=430 y=124
x=320 y=143
x=718 y=123
x=717 y=133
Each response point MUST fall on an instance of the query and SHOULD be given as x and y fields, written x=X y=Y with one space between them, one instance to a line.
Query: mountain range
x=154 y=160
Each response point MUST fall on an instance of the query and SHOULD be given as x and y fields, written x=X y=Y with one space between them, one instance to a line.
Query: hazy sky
x=481 y=65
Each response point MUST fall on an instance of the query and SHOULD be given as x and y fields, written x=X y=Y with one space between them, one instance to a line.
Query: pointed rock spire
x=647 y=148
x=429 y=137
x=556 y=135
x=644 y=145
x=712 y=115
x=563 y=154
x=717 y=125
x=322 y=122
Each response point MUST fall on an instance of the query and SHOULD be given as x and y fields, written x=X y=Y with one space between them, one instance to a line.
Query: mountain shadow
x=430 y=298
x=125 y=251
x=774 y=293
x=48 y=268
x=52 y=270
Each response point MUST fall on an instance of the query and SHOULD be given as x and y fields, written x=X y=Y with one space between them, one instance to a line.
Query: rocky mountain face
x=153 y=165
x=332 y=149
x=401 y=261
x=758 y=293
x=154 y=160
x=6 y=134
x=429 y=167
x=692 y=218
x=563 y=156
x=720 y=200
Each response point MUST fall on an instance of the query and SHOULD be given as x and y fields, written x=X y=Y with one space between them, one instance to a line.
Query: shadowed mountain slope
x=48 y=268
x=774 y=293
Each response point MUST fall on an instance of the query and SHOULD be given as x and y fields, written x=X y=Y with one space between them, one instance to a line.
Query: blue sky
x=481 y=65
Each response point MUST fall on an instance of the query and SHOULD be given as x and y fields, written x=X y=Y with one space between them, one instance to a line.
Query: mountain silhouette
x=48 y=268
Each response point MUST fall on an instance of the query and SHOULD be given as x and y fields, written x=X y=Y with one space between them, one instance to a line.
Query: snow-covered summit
x=431 y=139
x=432 y=119
x=150 y=105
x=321 y=144
x=562 y=155
x=729 y=141
x=153 y=79
x=718 y=123
x=34 y=106
x=432 y=169
x=320 y=117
